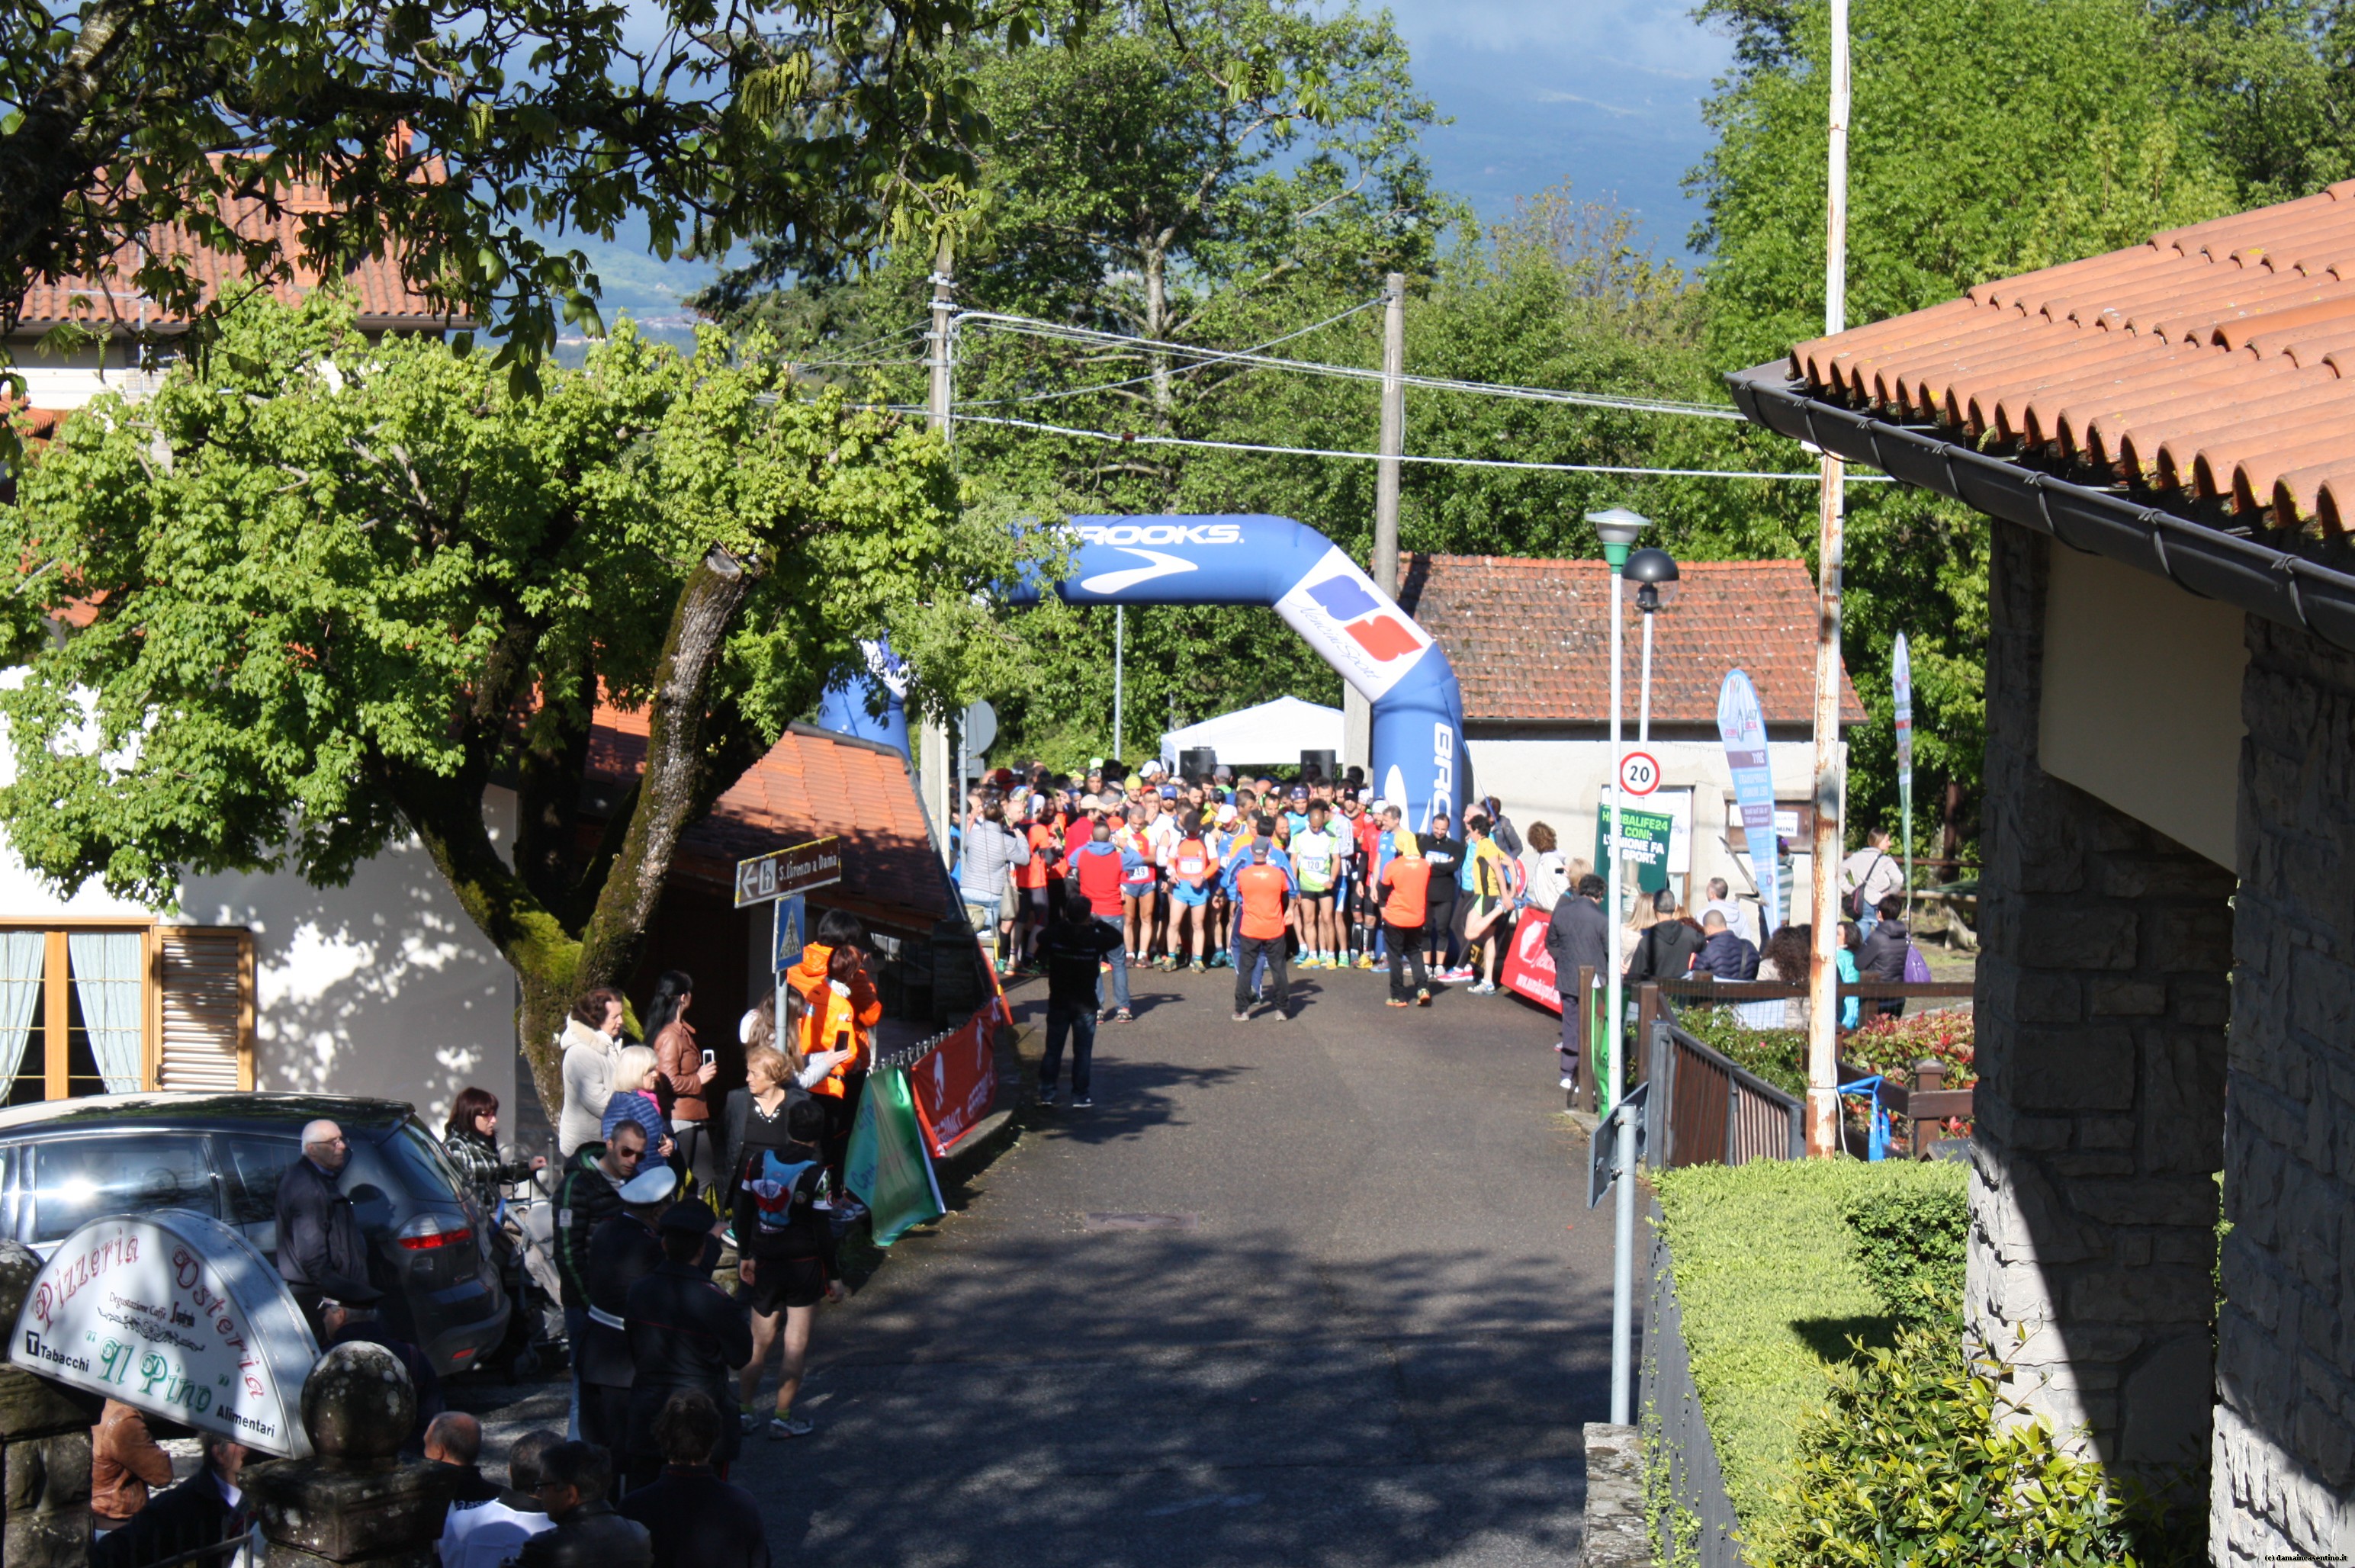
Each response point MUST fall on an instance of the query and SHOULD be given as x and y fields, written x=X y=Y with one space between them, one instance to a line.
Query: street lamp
x=1618 y=528
x=1648 y=567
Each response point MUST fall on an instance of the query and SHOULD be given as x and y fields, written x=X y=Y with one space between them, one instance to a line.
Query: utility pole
x=936 y=743
x=1119 y=657
x=1822 y=974
x=1357 y=716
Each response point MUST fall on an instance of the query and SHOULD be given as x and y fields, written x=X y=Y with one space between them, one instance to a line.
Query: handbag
x=1857 y=907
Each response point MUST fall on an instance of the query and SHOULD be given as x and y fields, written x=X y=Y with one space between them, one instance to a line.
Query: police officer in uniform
x=623 y=1250
x=684 y=1332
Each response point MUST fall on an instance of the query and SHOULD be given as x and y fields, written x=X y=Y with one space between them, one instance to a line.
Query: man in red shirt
x=1265 y=893
x=1406 y=882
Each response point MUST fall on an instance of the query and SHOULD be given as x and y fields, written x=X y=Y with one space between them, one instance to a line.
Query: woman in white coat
x=592 y=1040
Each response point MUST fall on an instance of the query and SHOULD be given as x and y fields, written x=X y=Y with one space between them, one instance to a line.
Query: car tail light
x=428 y=1231
x=466 y=1354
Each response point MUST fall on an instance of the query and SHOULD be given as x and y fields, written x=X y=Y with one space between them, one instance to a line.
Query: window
x=117 y=1009
x=77 y=1180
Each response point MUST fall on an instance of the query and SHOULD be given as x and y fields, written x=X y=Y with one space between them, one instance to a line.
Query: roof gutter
x=2205 y=560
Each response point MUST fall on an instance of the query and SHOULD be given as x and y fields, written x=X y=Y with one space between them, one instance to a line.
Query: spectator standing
x=1785 y=958
x=1405 y=882
x=1724 y=955
x=1844 y=960
x=832 y=1025
x=471 y=1138
x=696 y=1520
x=992 y=853
x=637 y=1100
x=1721 y=900
x=1265 y=894
x=754 y=1117
x=684 y=1333
x=1578 y=937
x=575 y=1481
x=1549 y=871
x=1883 y=957
x=588 y=1194
x=205 y=1509
x=1077 y=944
x=490 y=1534
x=125 y=1462
x=623 y=1250
x=1869 y=877
x=784 y=1234
x=592 y=1039
x=321 y=1253
x=1669 y=945
x=454 y=1440
x=687 y=1071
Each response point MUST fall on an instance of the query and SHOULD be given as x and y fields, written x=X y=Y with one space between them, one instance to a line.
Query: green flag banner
x=887 y=1168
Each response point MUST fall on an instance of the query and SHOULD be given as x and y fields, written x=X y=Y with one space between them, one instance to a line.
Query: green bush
x=1909 y=1242
x=1906 y=1466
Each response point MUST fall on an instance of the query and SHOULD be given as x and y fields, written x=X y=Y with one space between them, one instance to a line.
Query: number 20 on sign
x=1639 y=773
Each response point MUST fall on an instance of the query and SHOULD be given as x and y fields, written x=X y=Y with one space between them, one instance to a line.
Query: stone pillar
x=2099 y=1112
x=357 y=1502
x=2285 y=1445
x=44 y=1447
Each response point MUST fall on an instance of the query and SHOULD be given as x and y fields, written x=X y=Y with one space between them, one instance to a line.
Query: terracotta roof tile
x=2213 y=363
x=1531 y=639
x=812 y=783
x=381 y=295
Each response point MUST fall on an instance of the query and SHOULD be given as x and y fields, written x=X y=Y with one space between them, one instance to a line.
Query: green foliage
x=835 y=124
x=1913 y=1462
x=1909 y=1242
x=1777 y=1055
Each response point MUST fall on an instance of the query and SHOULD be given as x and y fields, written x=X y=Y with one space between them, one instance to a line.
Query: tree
x=332 y=590
x=443 y=132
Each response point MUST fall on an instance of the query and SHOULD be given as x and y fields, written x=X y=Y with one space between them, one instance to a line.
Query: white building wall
x=382 y=987
x=1562 y=784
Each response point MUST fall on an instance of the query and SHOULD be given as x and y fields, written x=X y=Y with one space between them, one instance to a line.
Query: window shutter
x=207 y=1037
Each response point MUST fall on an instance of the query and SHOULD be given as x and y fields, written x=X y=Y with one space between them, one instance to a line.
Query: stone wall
x=2284 y=1440
x=2102 y=1002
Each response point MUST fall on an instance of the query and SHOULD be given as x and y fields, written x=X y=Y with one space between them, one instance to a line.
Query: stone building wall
x=2102 y=999
x=2284 y=1440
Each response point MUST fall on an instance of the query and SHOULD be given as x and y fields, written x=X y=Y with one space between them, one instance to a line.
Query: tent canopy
x=1271 y=733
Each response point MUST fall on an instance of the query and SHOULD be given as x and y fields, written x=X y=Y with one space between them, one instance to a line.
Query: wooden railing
x=1706 y=1110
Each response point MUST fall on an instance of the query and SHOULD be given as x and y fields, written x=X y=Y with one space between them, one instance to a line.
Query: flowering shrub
x=1888 y=1046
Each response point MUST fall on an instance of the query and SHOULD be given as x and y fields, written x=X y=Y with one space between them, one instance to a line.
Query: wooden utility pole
x=1823 y=973
x=934 y=763
x=1357 y=717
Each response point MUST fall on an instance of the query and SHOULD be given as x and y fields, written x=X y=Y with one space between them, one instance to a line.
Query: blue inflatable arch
x=1419 y=760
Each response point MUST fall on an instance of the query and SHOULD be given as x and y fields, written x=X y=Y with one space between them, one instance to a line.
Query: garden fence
x=1704 y=1109
x=1681 y=1477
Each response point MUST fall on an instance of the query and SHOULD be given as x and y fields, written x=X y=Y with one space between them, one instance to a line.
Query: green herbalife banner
x=887 y=1168
x=1642 y=839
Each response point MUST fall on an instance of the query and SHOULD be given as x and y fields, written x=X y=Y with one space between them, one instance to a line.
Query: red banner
x=957 y=1081
x=1527 y=968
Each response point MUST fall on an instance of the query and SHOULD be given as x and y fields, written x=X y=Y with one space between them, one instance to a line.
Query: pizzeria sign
x=178 y=1315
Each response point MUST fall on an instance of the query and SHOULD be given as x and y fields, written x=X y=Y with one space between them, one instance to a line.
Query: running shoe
x=1083 y=1101
x=1423 y=998
x=1046 y=1095
x=1122 y=1016
x=1484 y=988
x=1196 y=966
x=1365 y=960
x=1240 y=1018
x=1568 y=1083
x=1398 y=1002
x=1168 y=963
x=783 y=1426
x=749 y=1421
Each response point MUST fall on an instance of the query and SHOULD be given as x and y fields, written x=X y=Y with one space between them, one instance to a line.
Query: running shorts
x=1192 y=898
x=780 y=1283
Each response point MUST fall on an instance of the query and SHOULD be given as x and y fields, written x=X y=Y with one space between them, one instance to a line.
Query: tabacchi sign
x=176 y=1315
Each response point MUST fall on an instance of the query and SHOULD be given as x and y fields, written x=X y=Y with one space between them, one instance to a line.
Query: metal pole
x=1119 y=655
x=1823 y=1010
x=942 y=401
x=1623 y=1276
x=1613 y=1073
x=1393 y=432
x=1643 y=703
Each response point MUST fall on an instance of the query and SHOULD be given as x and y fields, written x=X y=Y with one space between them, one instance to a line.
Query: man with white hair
x=321 y=1254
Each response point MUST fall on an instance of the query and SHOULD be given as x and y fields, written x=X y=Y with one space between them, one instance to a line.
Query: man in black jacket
x=587 y=1194
x=573 y=1481
x=208 y=1507
x=1075 y=945
x=696 y=1520
x=1578 y=935
x=1882 y=956
x=321 y=1253
x=684 y=1332
x=1724 y=955
x=623 y=1250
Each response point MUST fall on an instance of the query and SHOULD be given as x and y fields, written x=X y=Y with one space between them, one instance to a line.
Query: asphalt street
x=1317 y=1292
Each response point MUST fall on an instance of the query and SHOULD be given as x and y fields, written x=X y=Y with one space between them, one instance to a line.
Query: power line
x=1025 y=325
x=1206 y=358
x=1371 y=456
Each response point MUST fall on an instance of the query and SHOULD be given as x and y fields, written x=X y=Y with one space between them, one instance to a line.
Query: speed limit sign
x=1639 y=773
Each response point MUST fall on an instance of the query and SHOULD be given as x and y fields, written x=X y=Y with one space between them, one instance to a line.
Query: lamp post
x=1647 y=567
x=1618 y=528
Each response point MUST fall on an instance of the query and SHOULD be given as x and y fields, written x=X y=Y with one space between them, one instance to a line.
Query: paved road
x=1365 y=1331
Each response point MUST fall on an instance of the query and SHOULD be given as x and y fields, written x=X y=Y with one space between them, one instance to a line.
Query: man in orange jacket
x=1266 y=892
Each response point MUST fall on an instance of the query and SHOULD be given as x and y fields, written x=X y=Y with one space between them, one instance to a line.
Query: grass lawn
x=1772 y=1294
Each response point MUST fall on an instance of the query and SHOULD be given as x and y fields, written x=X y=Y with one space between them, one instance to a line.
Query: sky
x=1603 y=93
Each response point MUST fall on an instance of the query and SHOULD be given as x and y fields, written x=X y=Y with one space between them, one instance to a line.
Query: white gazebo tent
x=1271 y=733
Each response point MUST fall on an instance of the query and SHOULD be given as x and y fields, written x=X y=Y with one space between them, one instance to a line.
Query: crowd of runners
x=1169 y=864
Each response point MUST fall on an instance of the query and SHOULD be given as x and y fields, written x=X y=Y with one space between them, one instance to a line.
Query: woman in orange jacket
x=834 y=1021
x=808 y=977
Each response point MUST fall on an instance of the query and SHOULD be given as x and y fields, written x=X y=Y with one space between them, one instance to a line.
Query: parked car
x=63 y=1162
